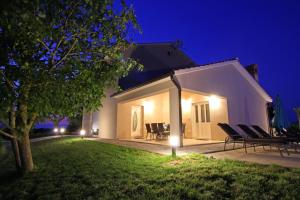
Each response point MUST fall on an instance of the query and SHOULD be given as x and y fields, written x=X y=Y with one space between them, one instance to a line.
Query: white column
x=175 y=124
x=108 y=116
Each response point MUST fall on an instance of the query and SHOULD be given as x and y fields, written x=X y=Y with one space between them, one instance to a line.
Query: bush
x=294 y=128
x=41 y=132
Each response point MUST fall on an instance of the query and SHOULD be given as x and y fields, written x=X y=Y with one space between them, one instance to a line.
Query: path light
x=82 y=133
x=62 y=130
x=174 y=142
x=55 y=130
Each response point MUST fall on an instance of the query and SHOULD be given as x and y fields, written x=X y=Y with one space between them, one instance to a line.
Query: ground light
x=55 y=130
x=174 y=142
x=62 y=130
x=82 y=133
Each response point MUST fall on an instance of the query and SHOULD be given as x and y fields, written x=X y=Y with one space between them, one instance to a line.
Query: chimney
x=253 y=70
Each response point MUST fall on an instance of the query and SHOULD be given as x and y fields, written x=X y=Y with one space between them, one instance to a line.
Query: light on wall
x=148 y=106
x=186 y=105
x=214 y=102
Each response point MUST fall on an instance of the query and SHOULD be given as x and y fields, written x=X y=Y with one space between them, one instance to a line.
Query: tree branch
x=10 y=83
x=32 y=120
x=7 y=135
x=65 y=56
x=55 y=50
x=7 y=126
x=43 y=43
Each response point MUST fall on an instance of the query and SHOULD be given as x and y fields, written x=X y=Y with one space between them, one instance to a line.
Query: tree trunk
x=14 y=141
x=16 y=151
x=27 y=162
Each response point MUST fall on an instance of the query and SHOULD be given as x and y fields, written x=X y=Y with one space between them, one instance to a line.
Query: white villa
x=175 y=91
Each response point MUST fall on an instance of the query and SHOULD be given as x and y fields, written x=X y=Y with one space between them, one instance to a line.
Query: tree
x=58 y=56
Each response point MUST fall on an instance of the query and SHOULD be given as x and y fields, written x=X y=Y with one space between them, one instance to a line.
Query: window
x=202 y=113
x=196 y=114
x=207 y=113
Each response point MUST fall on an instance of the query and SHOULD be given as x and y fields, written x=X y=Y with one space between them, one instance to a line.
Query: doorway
x=137 y=121
x=201 y=127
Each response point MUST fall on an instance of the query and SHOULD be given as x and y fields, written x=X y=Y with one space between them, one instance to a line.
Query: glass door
x=201 y=120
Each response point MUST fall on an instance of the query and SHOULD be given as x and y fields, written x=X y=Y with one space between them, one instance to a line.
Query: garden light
x=55 y=130
x=62 y=130
x=82 y=133
x=174 y=142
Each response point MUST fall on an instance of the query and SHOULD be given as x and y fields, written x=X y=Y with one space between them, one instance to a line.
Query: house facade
x=181 y=93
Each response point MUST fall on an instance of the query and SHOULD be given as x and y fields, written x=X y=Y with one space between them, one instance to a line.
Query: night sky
x=263 y=32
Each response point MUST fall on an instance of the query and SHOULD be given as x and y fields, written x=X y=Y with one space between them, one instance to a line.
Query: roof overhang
x=238 y=67
x=146 y=89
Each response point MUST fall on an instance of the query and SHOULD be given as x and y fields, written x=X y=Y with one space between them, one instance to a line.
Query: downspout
x=177 y=84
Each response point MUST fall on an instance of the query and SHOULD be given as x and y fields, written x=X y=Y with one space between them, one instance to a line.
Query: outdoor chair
x=155 y=130
x=232 y=135
x=249 y=132
x=168 y=127
x=149 y=131
x=290 y=136
x=162 y=130
x=253 y=141
x=261 y=131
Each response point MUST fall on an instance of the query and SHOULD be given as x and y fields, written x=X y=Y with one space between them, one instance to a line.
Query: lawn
x=79 y=169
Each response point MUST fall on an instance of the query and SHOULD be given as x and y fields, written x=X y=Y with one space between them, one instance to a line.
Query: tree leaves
x=65 y=53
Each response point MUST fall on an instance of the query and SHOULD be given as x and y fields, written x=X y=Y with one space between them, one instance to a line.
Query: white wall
x=106 y=118
x=157 y=111
x=245 y=104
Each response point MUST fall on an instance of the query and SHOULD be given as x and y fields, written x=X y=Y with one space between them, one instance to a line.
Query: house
x=174 y=90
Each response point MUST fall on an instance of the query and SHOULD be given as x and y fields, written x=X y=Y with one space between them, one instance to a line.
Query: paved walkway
x=261 y=156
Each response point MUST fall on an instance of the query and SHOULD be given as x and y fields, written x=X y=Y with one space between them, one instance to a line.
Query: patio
x=186 y=142
x=200 y=115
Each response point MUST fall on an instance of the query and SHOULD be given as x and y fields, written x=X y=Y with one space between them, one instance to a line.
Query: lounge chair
x=261 y=131
x=249 y=132
x=254 y=141
x=232 y=135
x=292 y=137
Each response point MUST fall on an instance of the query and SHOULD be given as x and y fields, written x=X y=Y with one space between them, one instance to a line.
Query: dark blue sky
x=258 y=31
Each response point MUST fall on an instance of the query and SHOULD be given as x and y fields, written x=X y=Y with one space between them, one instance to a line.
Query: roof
x=157 y=58
x=182 y=70
x=240 y=68
x=164 y=74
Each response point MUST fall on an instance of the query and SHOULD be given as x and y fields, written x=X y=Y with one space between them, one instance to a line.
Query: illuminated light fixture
x=62 y=130
x=214 y=102
x=148 y=106
x=82 y=133
x=174 y=142
x=186 y=105
x=55 y=130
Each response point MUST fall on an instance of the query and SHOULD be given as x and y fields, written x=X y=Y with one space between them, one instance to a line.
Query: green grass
x=80 y=169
